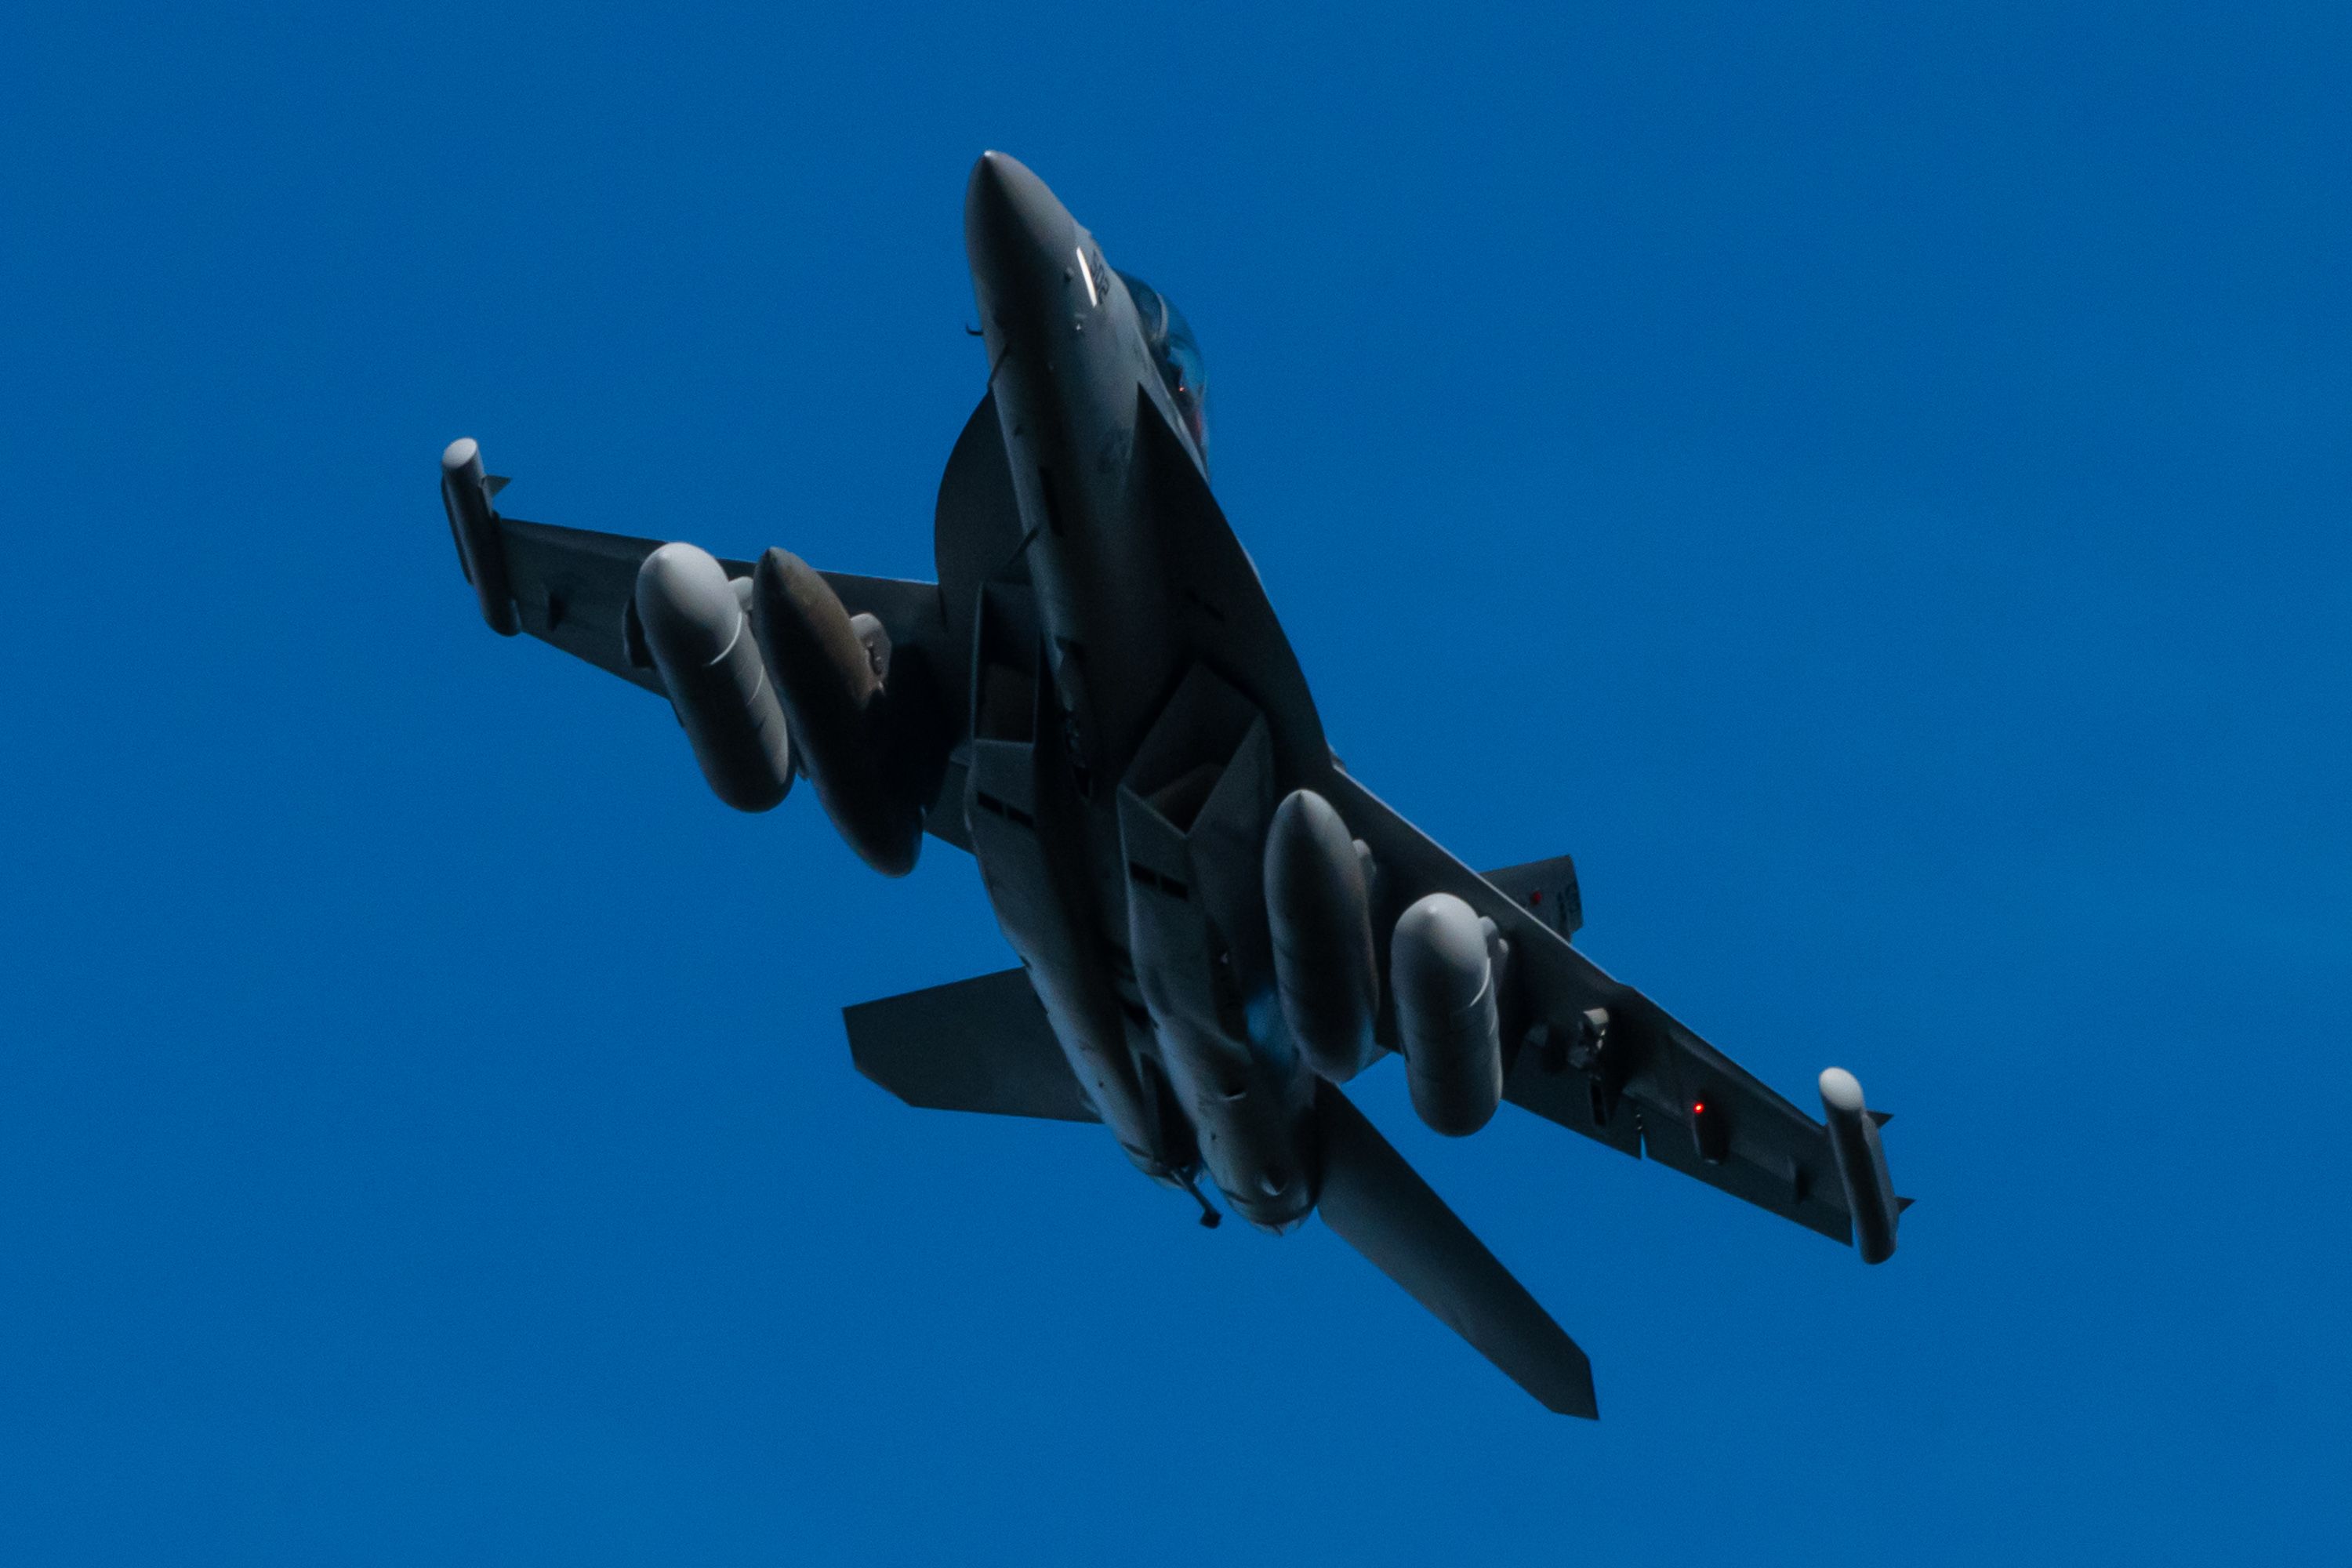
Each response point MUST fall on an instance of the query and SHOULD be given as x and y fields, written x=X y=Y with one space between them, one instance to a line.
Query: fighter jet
x=1217 y=925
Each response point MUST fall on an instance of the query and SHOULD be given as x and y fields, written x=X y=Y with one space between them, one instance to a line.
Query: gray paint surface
x=1097 y=702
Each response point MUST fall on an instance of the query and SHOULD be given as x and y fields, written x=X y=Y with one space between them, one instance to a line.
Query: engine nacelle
x=701 y=641
x=1441 y=964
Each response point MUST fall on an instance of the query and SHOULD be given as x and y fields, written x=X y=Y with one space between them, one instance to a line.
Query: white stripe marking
x=1086 y=272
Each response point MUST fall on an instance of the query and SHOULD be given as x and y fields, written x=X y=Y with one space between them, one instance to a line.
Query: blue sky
x=1872 y=486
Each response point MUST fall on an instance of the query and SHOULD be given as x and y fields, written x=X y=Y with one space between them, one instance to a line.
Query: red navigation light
x=1536 y=898
x=1711 y=1132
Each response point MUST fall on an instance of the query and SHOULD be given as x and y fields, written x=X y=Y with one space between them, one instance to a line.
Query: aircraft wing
x=1640 y=1090
x=1645 y=1083
x=576 y=590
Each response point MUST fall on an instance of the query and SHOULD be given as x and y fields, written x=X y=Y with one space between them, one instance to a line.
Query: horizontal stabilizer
x=1381 y=1207
x=976 y=1045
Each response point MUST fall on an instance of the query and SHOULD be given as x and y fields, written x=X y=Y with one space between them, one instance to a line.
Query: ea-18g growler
x=1217 y=925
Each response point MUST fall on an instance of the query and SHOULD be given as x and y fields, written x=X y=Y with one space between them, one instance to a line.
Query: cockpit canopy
x=1178 y=356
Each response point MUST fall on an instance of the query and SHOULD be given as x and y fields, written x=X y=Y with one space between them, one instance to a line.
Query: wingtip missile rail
x=1861 y=1166
x=465 y=492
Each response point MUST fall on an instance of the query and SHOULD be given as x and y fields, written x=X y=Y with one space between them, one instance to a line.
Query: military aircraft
x=1217 y=925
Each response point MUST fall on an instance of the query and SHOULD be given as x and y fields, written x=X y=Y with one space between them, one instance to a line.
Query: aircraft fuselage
x=1155 y=972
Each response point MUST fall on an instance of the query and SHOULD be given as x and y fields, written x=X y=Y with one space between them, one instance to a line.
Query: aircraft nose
x=1016 y=235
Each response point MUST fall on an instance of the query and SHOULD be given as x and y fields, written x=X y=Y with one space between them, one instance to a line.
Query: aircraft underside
x=1217 y=926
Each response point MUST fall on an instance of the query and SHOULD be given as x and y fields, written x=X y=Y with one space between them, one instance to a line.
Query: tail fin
x=1381 y=1207
x=1546 y=890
